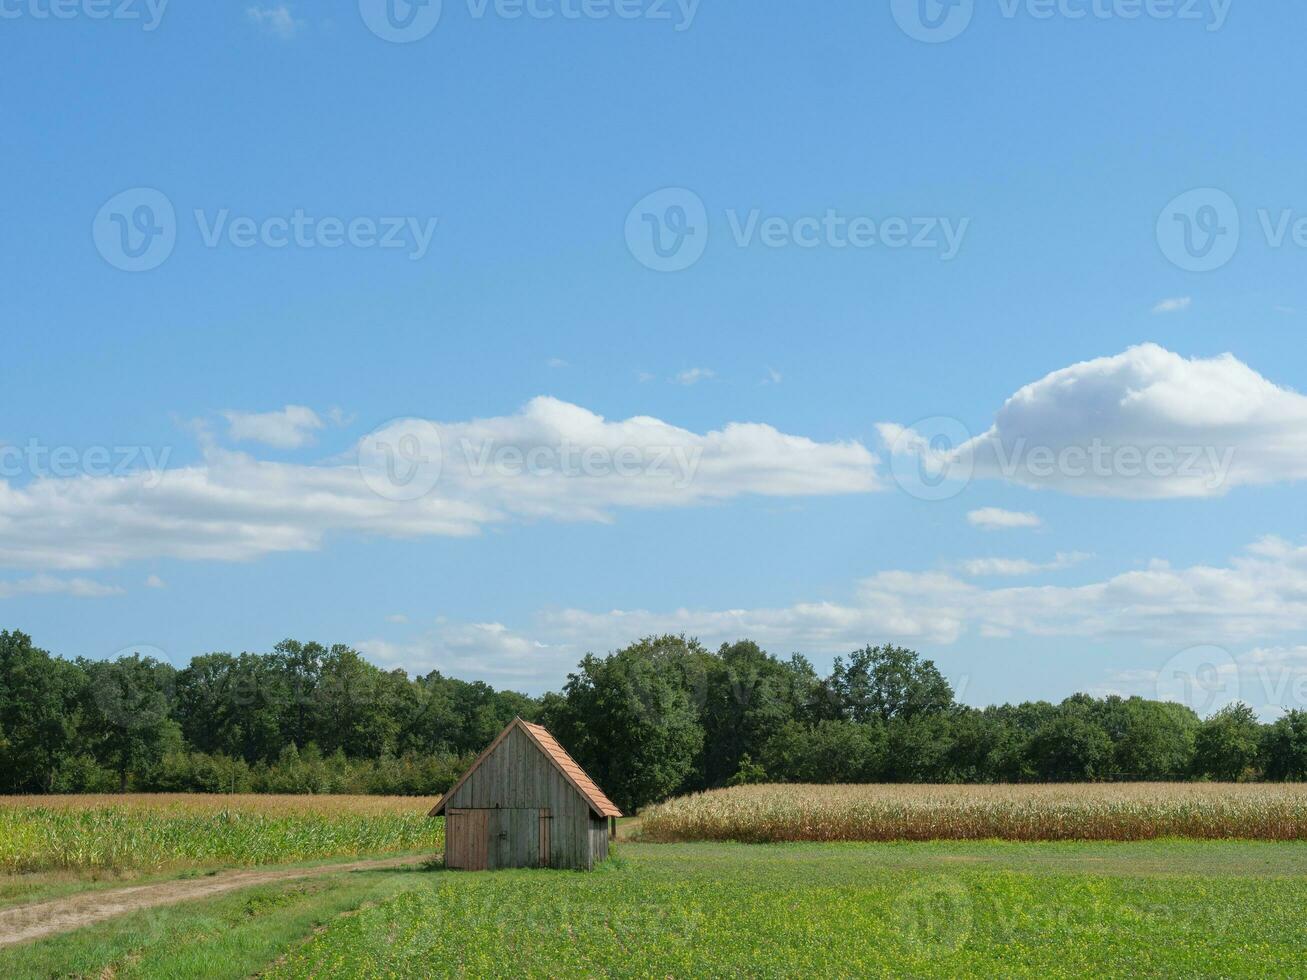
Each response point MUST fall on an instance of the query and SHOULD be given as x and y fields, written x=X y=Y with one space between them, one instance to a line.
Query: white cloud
x=1176 y=304
x=1258 y=595
x=774 y=377
x=996 y=519
x=692 y=376
x=557 y=363
x=398 y=618
x=289 y=428
x=550 y=461
x=481 y=650
x=983 y=567
x=1146 y=423
x=1261 y=593
x=154 y=582
x=50 y=585
x=276 y=20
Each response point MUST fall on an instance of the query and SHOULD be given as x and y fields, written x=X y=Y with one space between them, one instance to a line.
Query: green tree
x=1151 y=739
x=39 y=714
x=1072 y=745
x=832 y=751
x=1284 y=747
x=1227 y=744
x=126 y=708
x=629 y=722
x=888 y=682
x=744 y=695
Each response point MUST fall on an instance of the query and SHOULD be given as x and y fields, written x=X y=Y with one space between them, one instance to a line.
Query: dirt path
x=28 y=922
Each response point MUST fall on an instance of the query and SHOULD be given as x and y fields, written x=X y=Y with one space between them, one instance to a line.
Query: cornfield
x=151 y=832
x=1098 y=811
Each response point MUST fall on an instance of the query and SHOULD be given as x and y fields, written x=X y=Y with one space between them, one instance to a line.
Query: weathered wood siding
x=598 y=839
x=466 y=837
x=517 y=779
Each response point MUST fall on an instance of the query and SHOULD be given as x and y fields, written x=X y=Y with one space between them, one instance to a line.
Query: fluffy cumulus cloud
x=1146 y=423
x=289 y=428
x=415 y=478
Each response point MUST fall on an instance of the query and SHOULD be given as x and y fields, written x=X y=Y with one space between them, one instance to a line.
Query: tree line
x=662 y=716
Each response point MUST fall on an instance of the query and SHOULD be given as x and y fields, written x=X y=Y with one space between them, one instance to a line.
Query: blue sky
x=1038 y=158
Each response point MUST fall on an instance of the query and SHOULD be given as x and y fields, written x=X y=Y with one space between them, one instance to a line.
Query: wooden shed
x=525 y=803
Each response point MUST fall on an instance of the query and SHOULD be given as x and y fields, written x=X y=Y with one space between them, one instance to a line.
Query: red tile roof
x=600 y=803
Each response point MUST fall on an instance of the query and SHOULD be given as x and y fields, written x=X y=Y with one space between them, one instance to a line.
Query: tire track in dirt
x=40 y=919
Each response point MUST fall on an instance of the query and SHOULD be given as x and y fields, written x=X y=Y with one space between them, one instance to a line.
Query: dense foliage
x=662 y=716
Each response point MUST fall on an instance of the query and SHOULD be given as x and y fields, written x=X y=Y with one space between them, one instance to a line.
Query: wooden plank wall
x=517 y=775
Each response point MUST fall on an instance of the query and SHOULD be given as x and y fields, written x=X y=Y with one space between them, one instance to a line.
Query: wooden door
x=515 y=838
x=467 y=839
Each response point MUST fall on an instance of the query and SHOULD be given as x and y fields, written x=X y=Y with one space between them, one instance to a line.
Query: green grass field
x=1160 y=908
